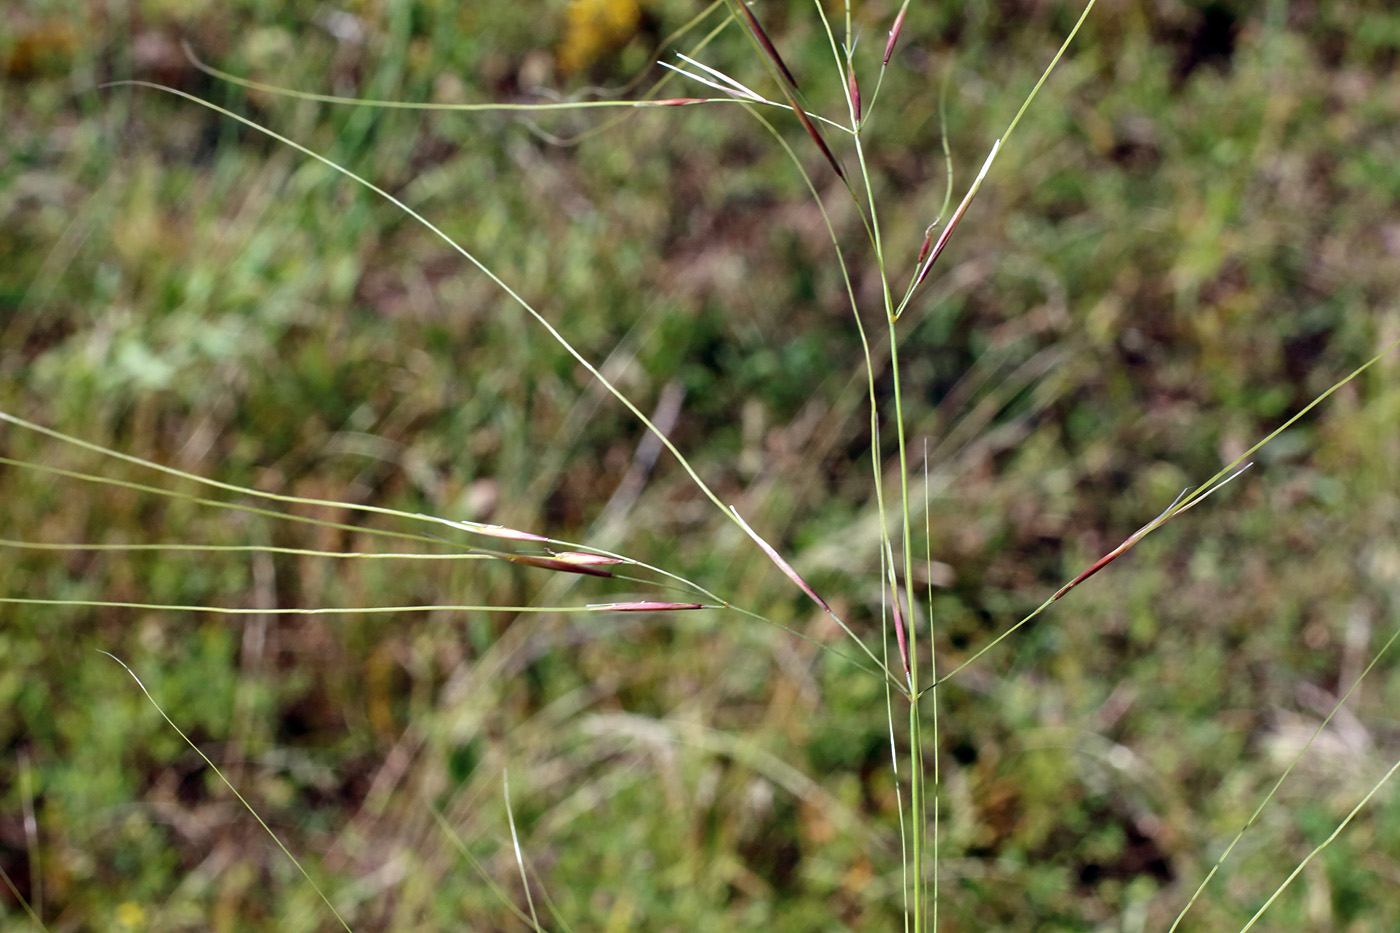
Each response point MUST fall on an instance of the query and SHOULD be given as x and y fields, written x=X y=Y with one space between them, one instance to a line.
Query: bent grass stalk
x=229 y=784
x=568 y=557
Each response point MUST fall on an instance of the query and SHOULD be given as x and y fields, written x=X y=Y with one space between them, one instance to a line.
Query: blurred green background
x=1192 y=234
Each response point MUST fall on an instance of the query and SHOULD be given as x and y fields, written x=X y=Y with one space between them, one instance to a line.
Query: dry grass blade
x=519 y=856
x=491 y=531
x=728 y=85
x=587 y=559
x=476 y=866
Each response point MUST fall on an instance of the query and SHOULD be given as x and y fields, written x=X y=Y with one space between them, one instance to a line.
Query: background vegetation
x=1192 y=235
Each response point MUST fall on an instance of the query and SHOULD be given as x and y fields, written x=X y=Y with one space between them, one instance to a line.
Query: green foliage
x=1189 y=238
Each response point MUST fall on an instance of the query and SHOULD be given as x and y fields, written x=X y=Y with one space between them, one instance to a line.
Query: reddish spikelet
x=501 y=531
x=894 y=32
x=853 y=90
x=671 y=102
x=811 y=129
x=1133 y=539
x=585 y=559
x=643 y=605
x=928 y=243
x=957 y=215
x=767 y=44
x=554 y=563
x=942 y=242
x=899 y=637
x=1094 y=568
x=777 y=558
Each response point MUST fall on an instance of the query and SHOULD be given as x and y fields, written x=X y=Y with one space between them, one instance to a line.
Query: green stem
x=916 y=798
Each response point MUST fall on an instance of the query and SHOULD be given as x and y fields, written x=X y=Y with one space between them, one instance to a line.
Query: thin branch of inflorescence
x=1234 y=468
x=229 y=784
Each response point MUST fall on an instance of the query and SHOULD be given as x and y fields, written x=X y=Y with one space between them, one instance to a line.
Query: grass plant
x=401 y=469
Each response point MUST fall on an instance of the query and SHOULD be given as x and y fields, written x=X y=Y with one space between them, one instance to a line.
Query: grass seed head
x=928 y=244
x=554 y=563
x=894 y=33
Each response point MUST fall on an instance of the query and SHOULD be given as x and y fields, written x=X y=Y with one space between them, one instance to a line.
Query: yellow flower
x=593 y=28
x=131 y=915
